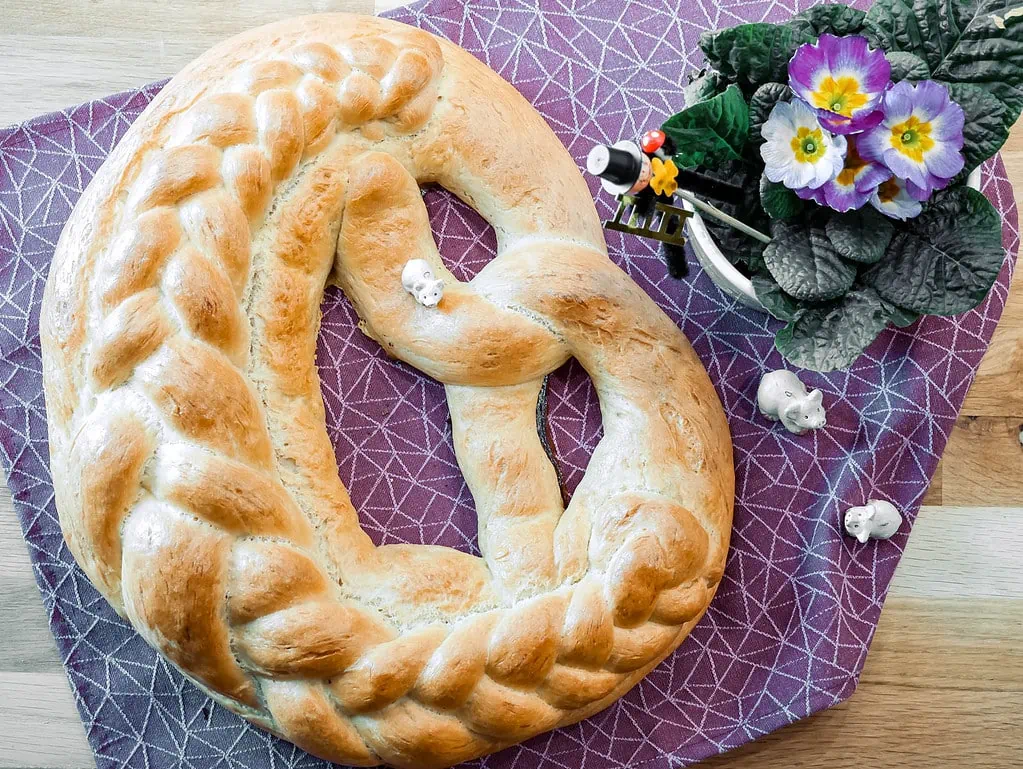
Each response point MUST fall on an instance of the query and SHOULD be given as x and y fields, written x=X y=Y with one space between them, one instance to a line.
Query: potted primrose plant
x=857 y=137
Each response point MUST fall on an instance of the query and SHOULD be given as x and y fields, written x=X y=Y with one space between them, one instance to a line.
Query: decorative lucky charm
x=782 y=397
x=877 y=519
x=644 y=178
x=418 y=279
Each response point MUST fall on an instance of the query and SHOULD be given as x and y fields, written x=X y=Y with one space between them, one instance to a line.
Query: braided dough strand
x=195 y=481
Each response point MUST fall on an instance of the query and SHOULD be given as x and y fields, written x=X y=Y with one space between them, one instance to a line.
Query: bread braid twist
x=195 y=482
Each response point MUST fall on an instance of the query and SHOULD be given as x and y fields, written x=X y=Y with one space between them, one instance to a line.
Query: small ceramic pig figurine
x=781 y=396
x=418 y=279
x=877 y=519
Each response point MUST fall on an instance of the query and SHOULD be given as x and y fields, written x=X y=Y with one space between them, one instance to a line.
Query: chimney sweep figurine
x=646 y=180
x=643 y=178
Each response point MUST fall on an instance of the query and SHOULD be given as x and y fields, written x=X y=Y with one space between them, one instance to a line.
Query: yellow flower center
x=912 y=138
x=888 y=191
x=808 y=146
x=853 y=165
x=842 y=96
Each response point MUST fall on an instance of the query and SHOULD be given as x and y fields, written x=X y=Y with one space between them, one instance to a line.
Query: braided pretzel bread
x=194 y=478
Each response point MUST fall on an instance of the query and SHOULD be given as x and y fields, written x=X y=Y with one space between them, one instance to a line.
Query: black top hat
x=618 y=166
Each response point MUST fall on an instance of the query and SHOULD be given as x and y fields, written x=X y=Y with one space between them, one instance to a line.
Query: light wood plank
x=85 y=49
x=176 y=19
x=30 y=647
x=998 y=388
x=894 y=727
x=983 y=462
x=40 y=728
x=932 y=643
x=942 y=687
x=933 y=495
x=13 y=551
x=1012 y=155
x=963 y=553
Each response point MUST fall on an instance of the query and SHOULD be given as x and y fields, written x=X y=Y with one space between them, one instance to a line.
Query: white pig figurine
x=781 y=396
x=418 y=279
x=877 y=519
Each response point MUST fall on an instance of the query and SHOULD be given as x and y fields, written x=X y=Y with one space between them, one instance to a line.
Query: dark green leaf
x=705 y=85
x=752 y=254
x=901 y=317
x=907 y=66
x=778 y=200
x=740 y=249
x=710 y=132
x=835 y=19
x=753 y=54
x=777 y=302
x=835 y=334
x=891 y=25
x=761 y=104
x=988 y=55
x=897 y=25
x=948 y=261
x=987 y=122
x=781 y=228
x=972 y=41
x=806 y=265
x=735 y=173
x=861 y=236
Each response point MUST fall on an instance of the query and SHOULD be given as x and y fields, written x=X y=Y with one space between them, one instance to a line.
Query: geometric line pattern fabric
x=790 y=627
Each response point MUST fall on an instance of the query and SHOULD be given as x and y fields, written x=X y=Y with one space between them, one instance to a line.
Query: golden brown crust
x=174 y=580
x=194 y=477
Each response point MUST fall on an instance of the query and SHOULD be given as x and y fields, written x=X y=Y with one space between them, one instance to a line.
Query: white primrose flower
x=797 y=151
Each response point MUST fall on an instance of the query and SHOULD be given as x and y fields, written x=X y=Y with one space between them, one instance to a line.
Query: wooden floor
x=943 y=685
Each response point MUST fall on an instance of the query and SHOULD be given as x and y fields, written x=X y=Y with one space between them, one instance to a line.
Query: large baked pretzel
x=194 y=477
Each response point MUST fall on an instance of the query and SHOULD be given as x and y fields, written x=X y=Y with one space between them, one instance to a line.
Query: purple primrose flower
x=855 y=184
x=892 y=199
x=843 y=79
x=920 y=138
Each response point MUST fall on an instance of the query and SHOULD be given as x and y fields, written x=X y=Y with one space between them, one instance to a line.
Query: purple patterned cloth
x=789 y=630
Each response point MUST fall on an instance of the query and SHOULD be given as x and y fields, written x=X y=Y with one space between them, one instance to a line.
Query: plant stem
x=717 y=213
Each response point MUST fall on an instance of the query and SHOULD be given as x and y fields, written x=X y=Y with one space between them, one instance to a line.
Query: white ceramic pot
x=723 y=272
